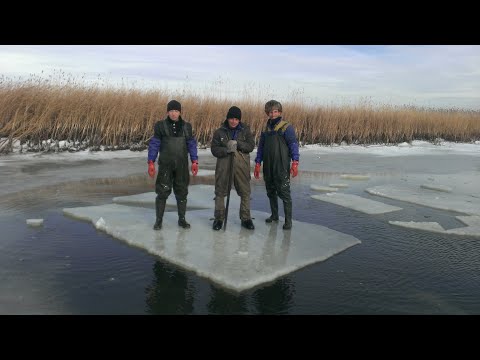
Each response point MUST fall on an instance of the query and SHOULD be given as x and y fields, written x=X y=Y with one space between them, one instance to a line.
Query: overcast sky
x=433 y=76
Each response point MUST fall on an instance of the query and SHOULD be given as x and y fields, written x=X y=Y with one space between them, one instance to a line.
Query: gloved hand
x=256 y=172
x=151 y=168
x=195 y=167
x=231 y=146
x=294 y=168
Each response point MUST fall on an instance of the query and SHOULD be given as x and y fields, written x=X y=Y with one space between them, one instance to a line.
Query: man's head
x=174 y=108
x=273 y=109
x=234 y=116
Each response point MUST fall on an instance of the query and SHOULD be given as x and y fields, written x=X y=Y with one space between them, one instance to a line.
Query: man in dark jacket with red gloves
x=233 y=141
x=173 y=140
x=277 y=146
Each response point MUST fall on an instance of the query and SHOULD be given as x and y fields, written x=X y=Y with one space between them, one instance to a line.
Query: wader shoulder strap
x=185 y=132
x=282 y=125
x=165 y=128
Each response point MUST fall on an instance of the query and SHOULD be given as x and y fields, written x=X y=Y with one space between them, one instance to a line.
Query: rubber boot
x=159 y=210
x=274 y=209
x=182 y=209
x=287 y=206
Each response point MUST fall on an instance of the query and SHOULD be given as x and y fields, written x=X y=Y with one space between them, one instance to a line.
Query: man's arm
x=191 y=143
x=259 y=157
x=248 y=145
x=218 y=149
x=292 y=143
x=154 y=143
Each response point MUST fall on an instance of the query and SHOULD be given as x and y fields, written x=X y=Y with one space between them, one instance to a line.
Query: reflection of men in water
x=223 y=301
x=170 y=291
x=275 y=298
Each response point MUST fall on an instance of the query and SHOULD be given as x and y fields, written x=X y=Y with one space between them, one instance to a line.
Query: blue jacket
x=289 y=136
x=156 y=140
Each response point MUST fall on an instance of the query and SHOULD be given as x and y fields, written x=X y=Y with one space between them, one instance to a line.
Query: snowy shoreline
x=70 y=150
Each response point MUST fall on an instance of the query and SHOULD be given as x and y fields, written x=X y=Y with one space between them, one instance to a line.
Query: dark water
x=68 y=267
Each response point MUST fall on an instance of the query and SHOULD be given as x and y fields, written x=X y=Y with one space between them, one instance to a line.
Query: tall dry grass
x=38 y=109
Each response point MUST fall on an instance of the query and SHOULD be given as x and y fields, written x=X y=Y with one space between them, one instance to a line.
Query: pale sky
x=434 y=76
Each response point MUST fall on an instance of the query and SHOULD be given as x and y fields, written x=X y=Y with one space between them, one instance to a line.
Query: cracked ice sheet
x=461 y=203
x=237 y=259
x=199 y=197
x=472 y=228
x=357 y=203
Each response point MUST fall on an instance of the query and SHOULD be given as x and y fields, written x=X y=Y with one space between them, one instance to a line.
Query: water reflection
x=271 y=256
x=171 y=292
x=276 y=298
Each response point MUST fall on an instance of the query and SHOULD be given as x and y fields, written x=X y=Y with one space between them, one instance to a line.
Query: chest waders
x=172 y=173
x=276 y=172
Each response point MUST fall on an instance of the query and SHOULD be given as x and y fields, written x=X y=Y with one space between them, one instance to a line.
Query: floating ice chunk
x=466 y=231
x=473 y=228
x=436 y=187
x=429 y=226
x=322 y=188
x=355 y=177
x=469 y=220
x=461 y=203
x=339 y=185
x=357 y=203
x=35 y=222
x=237 y=258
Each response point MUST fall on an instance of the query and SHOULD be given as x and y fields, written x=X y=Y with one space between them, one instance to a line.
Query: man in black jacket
x=233 y=141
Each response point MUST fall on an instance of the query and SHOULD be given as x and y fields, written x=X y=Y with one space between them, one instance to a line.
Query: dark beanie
x=174 y=105
x=234 y=112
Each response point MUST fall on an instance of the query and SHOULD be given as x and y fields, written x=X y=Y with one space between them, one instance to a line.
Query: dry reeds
x=92 y=116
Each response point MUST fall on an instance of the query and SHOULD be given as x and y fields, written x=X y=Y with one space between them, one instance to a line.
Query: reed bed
x=46 y=115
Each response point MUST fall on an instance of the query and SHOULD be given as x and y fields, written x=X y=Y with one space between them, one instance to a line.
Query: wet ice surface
x=69 y=267
x=237 y=258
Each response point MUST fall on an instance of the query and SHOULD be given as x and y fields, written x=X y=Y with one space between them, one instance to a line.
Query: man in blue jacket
x=172 y=140
x=277 y=147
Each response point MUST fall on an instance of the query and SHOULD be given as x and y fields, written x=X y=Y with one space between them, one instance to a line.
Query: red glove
x=294 y=168
x=194 y=167
x=151 y=168
x=256 y=172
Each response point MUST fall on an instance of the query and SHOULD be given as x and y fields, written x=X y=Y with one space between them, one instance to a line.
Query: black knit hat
x=174 y=105
x=234 y=112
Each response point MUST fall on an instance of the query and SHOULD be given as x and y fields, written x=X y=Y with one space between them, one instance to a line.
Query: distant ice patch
x=35 y=222
x=462 y=203
x=339 y=185
x=355 y=176
x=436 y=187
x=472 y=228
x=322 y=188
x=357 y=203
